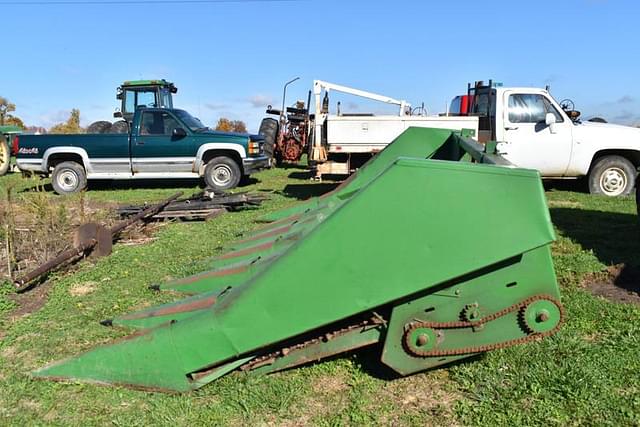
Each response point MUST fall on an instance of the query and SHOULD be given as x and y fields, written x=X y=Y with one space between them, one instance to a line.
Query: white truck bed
x=366 y=134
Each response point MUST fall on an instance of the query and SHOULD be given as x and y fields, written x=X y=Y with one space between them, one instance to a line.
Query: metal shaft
x=152 y=210
x=53 y=263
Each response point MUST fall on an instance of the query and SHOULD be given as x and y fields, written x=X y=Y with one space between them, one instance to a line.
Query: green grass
x=589 y=373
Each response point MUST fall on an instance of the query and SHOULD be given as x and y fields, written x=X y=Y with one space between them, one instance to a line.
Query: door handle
x=511 y=128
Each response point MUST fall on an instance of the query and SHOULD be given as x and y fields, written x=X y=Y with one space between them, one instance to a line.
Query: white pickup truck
x=534 y=131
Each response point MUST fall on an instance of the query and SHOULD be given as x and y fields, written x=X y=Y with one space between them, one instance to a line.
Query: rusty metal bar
x=53 y=263
x=22 y=282
x=152 y=210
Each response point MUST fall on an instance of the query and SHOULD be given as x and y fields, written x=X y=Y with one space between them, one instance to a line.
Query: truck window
x=530 y=108
x=484 y=103
x=157 y=123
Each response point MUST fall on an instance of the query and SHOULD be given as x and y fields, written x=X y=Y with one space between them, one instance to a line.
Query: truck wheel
x=120 y=126
x=222 y=173
x=5 y=156
x=68 y=178
x=269 y=129
x=612 y=176
x=99 y=127
x=638 y=197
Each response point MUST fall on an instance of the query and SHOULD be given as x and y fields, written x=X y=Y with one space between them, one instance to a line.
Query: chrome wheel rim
x=613 y=181
x=67 y=180
x=222 y=175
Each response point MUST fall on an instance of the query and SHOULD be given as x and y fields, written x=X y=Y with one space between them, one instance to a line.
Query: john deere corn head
x=435 y=251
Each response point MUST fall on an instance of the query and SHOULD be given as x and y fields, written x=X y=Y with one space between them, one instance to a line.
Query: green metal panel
x=498 y=287
x=417 y=240
x=12 y=130
x=162 y=83
x=414 y=142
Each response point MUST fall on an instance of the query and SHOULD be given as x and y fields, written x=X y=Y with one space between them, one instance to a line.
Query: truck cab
x=535 y=131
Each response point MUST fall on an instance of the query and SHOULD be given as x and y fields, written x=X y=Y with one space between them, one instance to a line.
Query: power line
x=147 y=2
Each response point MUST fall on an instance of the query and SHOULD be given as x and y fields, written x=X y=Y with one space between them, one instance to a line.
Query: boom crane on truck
x=318 y=151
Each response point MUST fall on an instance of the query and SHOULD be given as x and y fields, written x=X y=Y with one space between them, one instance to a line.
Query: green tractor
x=132 y=95
x=7 y=134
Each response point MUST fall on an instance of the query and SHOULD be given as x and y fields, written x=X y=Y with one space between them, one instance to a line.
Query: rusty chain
x=466 y=324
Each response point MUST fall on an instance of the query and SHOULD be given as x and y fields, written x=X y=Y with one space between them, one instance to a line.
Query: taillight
x=16 y=145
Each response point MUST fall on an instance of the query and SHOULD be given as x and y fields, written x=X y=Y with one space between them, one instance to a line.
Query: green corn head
x=428 y=254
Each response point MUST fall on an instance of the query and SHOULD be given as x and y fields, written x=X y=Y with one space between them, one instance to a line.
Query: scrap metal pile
x=205 y=205
x=90 y=239
x=430 y=256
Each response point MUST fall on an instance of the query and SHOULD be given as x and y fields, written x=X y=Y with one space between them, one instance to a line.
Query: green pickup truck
x=163 y=143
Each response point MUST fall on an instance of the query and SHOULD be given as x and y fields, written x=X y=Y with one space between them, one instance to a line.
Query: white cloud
x=51 y=118
x=260 y=101
x=215 y=107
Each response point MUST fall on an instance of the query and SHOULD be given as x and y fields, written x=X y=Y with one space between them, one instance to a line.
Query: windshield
x=192 y=123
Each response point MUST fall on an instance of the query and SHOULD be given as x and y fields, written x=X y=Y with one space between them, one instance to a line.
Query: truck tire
x=269 y=129
x=99 y=127
x=120 y=126
x=222 y=173
x=68 y=178
x=612 y=176
x=638 y=197
x=5 y=156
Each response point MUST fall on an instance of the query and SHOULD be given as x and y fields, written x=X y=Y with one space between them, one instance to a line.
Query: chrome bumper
x=254 y=164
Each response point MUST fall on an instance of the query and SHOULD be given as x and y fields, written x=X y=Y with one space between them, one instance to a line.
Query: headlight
x=254 y=147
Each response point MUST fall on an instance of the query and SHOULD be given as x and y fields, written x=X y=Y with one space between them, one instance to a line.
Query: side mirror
x=178 y=133
x=117 y=115
x=550 y=120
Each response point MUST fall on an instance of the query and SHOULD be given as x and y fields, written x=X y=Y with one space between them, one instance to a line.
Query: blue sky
x=231 y=59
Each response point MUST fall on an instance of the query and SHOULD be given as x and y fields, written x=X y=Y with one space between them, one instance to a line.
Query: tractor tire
x=612 y=176
x=269 y=129
x=5 y=156
x=222 y=173
x=68 y=178
x=121 y=126
x=99 y=127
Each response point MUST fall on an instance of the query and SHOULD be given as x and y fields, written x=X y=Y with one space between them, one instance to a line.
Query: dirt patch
x=82 y=289
x=31 y=301
x=619 y=283
x=422 y=393
x=329 y=397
